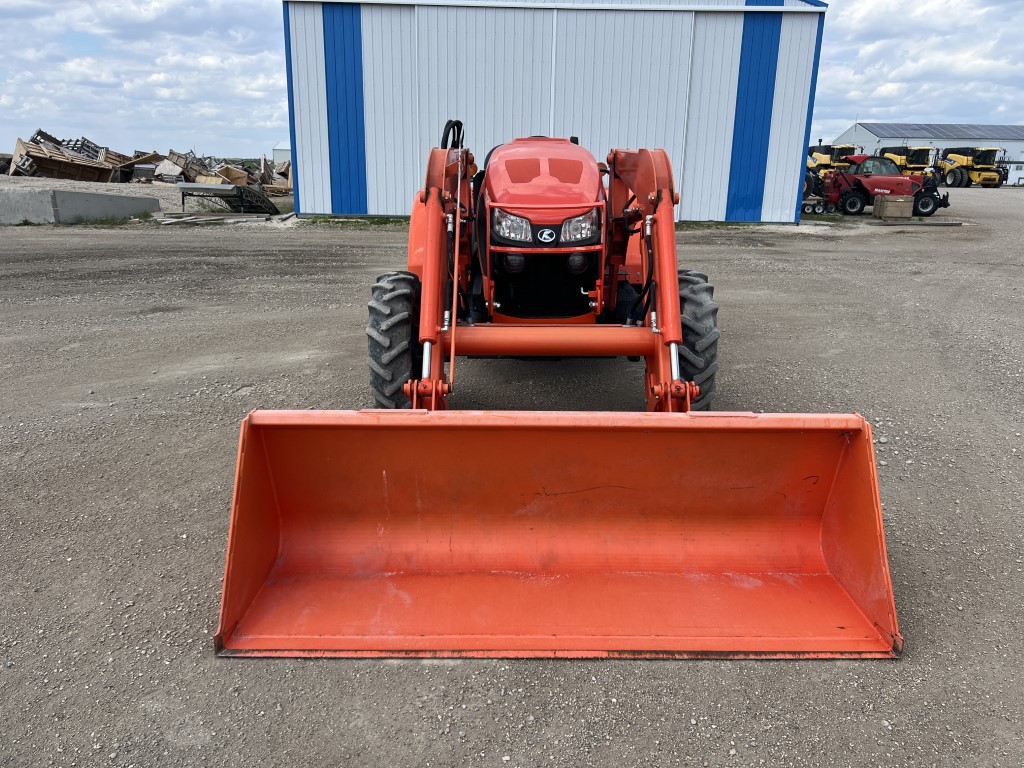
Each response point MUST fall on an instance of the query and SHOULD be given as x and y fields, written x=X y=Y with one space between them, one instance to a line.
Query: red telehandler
x=854 y=188
x=416 y=530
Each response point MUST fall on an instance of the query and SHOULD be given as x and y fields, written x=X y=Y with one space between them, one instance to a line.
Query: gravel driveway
x=129 y=355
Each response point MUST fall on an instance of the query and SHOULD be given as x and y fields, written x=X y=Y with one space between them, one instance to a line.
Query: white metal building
x=725 y=86
x=1010 y=138
x=282 y=152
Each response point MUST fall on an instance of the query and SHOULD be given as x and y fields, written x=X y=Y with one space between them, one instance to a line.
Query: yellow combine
x=822 y=159
x=965 y=166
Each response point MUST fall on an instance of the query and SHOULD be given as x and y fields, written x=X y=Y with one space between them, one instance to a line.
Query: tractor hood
x=542 y=171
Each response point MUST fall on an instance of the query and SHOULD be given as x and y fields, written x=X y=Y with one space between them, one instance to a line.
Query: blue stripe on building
x=810 y=108
x=759 y=60
x=343 y=56
x=291 y=106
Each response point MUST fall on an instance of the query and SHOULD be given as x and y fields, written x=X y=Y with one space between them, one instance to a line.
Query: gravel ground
x=129 y=355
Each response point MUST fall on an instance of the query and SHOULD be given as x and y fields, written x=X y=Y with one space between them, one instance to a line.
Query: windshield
x=880 y=165
x=918 y=156
x=985 y=157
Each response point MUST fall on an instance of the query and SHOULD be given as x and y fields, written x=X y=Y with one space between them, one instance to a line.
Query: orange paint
x=577 y=535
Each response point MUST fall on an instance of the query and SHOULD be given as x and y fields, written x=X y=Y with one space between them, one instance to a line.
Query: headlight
x=511 y=227
x=580 y=228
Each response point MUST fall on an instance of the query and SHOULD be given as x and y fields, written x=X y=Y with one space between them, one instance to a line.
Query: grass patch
x=145 y=217
x=361 y=222
x=110 y=221
x=685 y=226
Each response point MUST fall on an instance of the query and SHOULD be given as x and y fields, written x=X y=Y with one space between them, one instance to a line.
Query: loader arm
x=641 y=183
x=641 y=186
x=439 y=256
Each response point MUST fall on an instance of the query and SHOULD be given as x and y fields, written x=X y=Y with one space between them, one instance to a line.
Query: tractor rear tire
x=853 y=203
x=698 y=354
x=925 y=204
x=393 y=337
x=952 y=178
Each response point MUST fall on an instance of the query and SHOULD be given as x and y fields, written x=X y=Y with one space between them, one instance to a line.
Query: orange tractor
x=416 y=530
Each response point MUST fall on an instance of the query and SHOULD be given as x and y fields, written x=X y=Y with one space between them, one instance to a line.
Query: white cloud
x=210 y=74
x=944 y=61
x=152 y=74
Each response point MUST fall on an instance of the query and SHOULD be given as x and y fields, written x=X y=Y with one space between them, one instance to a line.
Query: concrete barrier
x=58 y=206
x=34 y=206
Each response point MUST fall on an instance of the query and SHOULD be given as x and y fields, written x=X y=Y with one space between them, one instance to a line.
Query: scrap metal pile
x=81 y=159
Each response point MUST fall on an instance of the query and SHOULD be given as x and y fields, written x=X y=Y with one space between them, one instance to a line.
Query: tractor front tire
x=853 y=203
x=925 y=203
x=698 y=354
x=952 y=178
x=393 y=337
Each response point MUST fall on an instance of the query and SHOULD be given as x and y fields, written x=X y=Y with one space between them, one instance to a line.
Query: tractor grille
x=544 y=287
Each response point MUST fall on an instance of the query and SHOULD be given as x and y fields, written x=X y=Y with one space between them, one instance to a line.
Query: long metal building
x=872 y=136
x=726 y=87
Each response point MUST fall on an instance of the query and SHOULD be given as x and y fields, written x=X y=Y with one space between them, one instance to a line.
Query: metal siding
x=312 y=146
x=759 y=59
x=608 y=105
x=501 y=90
x=391 y=109
x=344 y=82
x=787 y=144
x=293 y=174
x=500 y=85
x=811 y=92
x=706 y=157
x=536 y=74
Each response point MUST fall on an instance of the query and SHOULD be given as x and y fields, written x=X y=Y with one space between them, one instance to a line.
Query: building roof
x=945 y=131
x=716 y=6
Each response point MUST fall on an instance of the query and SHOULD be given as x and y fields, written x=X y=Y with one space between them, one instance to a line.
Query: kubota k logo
x=546 y=235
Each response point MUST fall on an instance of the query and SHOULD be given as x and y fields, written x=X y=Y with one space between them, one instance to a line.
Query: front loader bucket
x=461 y=533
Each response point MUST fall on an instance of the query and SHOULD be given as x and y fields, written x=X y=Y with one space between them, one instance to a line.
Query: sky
x=209 y=75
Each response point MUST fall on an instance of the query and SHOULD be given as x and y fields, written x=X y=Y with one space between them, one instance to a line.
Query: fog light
x=515 y=262
x=577 y=263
